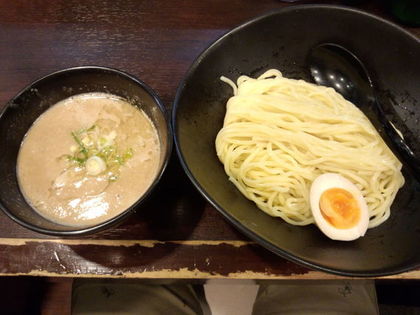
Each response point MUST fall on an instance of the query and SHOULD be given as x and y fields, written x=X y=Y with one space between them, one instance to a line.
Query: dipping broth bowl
x=21 y=112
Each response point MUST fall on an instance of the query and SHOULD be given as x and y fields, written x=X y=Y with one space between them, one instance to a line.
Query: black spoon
x=334 y=66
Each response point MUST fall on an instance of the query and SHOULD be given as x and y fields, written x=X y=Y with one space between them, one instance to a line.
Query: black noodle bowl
x=282 y=40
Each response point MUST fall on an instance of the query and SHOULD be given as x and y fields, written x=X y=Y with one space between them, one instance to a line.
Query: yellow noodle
x=279 y=134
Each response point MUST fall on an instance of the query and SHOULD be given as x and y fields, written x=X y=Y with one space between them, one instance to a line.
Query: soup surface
x=87 y=159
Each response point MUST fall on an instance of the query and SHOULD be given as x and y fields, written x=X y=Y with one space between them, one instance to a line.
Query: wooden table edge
x=176 y=273
x=195 y=274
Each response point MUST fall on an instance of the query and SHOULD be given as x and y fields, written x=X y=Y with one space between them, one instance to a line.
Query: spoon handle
x=397 y=141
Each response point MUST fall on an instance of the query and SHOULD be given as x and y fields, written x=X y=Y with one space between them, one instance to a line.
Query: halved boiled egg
x=338 y=207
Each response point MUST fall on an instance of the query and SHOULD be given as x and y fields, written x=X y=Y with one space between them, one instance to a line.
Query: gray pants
x=102 y=296
x=312 y=297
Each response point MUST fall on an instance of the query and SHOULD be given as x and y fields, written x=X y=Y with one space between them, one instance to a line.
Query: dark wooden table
x=176 y=234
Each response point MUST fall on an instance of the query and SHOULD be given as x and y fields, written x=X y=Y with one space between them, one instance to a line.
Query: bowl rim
x=249 y=233
x=124 y=214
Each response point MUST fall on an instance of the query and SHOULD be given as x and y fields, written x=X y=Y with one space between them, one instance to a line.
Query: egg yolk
x=339 y=208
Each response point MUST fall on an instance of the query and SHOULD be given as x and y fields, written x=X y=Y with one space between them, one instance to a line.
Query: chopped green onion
x=91 y=128
x=92 y=147
x=79 y=142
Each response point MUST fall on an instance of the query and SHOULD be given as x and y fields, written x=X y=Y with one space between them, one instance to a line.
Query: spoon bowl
x=335 y=66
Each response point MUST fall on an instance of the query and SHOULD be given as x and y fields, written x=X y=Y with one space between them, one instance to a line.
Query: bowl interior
x=29 y=104
x=282 y=40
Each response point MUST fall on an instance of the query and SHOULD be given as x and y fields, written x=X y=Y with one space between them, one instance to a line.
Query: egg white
x=328 y=181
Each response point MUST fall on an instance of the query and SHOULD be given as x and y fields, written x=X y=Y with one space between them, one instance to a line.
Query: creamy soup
x=87 y=159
